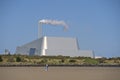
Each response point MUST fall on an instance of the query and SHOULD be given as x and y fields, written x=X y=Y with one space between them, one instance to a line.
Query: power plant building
x=54 y=46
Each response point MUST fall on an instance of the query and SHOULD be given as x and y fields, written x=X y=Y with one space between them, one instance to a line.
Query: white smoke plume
x=54 y=22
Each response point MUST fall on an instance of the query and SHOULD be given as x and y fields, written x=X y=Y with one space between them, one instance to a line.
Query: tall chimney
x=39 y=30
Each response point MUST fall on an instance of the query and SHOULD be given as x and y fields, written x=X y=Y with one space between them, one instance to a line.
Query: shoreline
x=60 y=65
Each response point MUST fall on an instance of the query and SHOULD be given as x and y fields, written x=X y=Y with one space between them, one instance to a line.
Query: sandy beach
x=60 y=73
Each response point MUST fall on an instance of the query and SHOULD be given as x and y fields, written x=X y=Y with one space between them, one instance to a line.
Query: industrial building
x=53 y=46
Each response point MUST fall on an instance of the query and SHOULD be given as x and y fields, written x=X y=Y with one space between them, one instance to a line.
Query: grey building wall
x=61 y=43
x=82 y=53
x=25 y=49
x=55 y=46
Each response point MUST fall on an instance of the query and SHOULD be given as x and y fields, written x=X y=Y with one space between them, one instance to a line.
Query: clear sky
x=95 y=23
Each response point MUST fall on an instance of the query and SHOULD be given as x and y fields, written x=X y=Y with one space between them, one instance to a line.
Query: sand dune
x=60 y=73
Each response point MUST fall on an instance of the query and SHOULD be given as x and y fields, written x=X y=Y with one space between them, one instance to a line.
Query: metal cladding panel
x=25 y=49
x=34 y=44
x=54 y=46
x=82 y=53
x=86 y=53
x=61 y=43
x=22 y=50
x=60 y=52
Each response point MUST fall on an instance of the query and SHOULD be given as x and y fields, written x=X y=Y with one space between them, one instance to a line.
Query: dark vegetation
x=1 y=59
x=56 y=60
x=18 y=59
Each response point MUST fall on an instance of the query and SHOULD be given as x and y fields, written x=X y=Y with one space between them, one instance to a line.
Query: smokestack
x=39 y=31
x=51 y=22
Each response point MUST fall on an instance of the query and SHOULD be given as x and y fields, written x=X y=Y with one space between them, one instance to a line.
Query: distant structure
x=7 y=52
x=53 y=46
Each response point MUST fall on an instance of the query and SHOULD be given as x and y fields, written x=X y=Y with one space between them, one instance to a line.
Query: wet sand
x=60 y=73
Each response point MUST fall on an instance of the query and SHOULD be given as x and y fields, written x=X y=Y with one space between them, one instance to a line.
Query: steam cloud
x=54 y=22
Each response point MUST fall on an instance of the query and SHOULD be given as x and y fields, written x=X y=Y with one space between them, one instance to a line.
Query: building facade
x=54 y=46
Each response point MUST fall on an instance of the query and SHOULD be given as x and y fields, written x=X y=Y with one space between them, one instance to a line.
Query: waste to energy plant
x=53 y=46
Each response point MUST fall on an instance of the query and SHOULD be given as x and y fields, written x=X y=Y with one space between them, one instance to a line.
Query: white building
x=53 y=46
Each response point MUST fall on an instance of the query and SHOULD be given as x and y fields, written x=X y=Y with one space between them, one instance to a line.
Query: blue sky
x=95 y=23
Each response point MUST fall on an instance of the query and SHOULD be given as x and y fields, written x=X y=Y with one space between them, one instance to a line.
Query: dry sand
x=60 y=73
